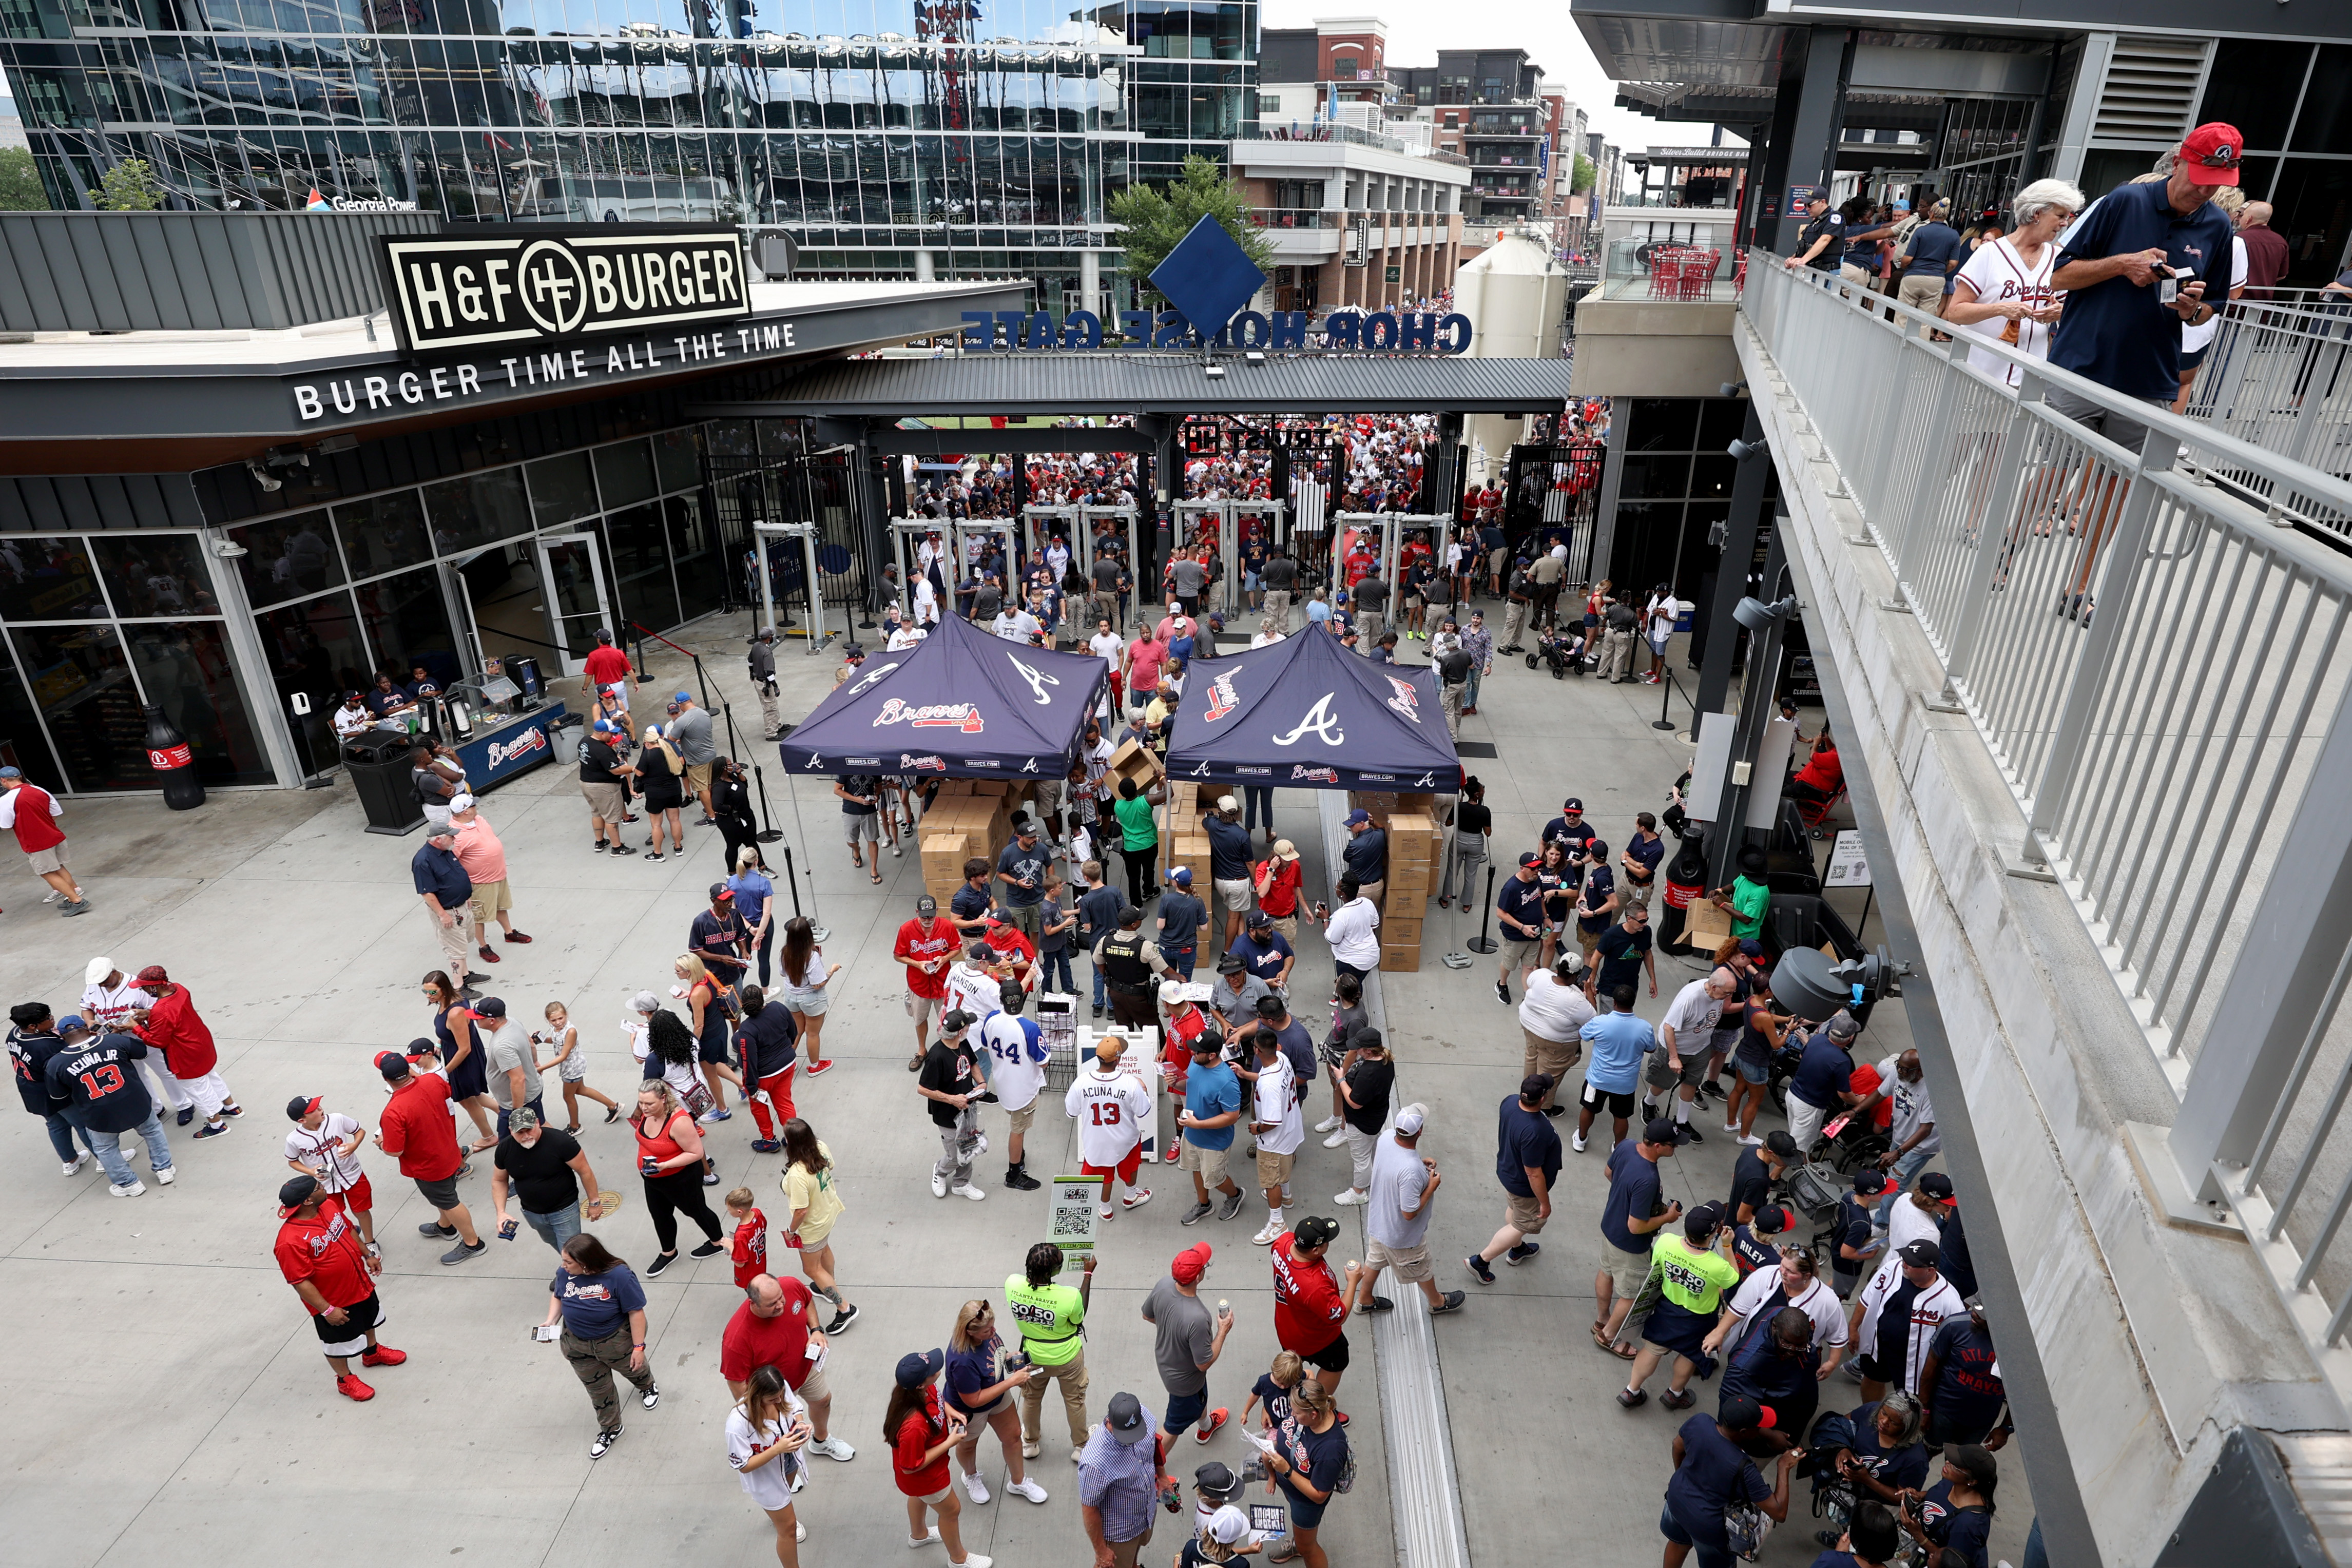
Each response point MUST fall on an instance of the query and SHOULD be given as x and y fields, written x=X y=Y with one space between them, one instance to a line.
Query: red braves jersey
x=325 y=1251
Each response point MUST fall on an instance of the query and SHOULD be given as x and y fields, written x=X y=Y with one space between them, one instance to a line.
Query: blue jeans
x=1905 y=1172
x=61 y=1137
x=1058 y=964
x=1470 y=696
x=107 y=1147
x=555 y=1230
x=1180 y=959
x=1703 y=1554
x=1102 y=997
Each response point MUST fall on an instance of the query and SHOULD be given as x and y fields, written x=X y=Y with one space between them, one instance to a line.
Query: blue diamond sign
x=1208 y=277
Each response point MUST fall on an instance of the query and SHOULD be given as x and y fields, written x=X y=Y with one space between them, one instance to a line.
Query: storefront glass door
x=577 y=604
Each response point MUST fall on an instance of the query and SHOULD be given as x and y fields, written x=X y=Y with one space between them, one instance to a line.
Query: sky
x=1417 y=28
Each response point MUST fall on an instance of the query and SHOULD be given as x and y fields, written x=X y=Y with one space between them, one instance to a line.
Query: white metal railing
x=2278 y=375
x=2153 y=647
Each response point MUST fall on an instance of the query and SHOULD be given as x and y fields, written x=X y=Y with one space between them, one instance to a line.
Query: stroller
x=1564 y=651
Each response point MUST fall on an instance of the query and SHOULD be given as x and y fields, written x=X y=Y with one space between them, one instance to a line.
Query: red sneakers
x=1216 y=1421
x=383 y=1355
x=352 y=1388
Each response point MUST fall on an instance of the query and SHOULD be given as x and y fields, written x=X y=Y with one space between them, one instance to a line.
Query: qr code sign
x=1071 y=1218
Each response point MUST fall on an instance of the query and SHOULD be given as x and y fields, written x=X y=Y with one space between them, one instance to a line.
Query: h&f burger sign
x=540 y=282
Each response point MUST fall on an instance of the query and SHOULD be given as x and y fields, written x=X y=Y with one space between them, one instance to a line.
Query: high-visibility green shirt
x=1048 y=1317
x=1748 y=900
x=1136 y=828
x=1692 y=1278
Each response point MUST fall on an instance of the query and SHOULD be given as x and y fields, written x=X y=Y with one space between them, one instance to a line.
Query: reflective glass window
x=640 y=551
x=48 y=579
x=315 y=647
x=82 y=683
x=404 y=617
x=625 y=473
x=156 y=574
x=476 y=510
x=190 y=673
x=561 y=488
x=383 y=534
x=287 y=556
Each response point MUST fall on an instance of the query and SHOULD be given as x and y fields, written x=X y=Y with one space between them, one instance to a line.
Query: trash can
x=377 y=760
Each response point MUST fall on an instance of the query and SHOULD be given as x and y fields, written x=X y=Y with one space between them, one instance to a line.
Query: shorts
x=933 y=1500
x=1273 y=1170
x=1597 y=1100
x=1412 y=1263
x=1018 y=1122
x=808 y=1001
x=698 y=777
x=606 y=800
x=1756 y=1072
x=574 y=1067
x=49 y=860
x=1525 y=1215
x=1628 y=1271
x=865 y=825
x=2121 y=429
x=1871 y=1372
x=1208 y=1163
x=925 y=1009
x=813 y=1238
x=1554 y=1057
x=490 y=900
x=442 y=1195
x=1234 y=892
x=1662 y=1076
x=1184 y=1410
x=2192 y=357
x=815 y=1389
x=1128 y=1164
x=357 y=1198
x=1518 y=955
x=350 y=1336
x=1332 y=1357
x=1288 y=925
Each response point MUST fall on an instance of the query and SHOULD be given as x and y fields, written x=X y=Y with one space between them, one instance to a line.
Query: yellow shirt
x=815 y=1193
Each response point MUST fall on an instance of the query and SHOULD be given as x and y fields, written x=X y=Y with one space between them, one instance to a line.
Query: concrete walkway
x=165 y=1391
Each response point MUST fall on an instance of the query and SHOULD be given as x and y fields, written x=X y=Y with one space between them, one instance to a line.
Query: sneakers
x=1135 y=1198
x=166 y=1174
x=651 y=1395
x=1330 y=1123
x=1520 y=1254
x=1575 y=1142
x=842 y=1320
x=1193 y=1216
x=1479 y=1266
x=938 y=1184
x=1265 y=1237
x=709 y=1250
x=1233 y=1206
x=188 y=1114
x=1750 y=1140
x=460 y=1252
x=349 y=1386
x=1020 y=1180
x=709 y=1118
x=1175 y=1151
x=1451 y=1301
x=383 y=1355
x=134 y=1187
x=1352 y=1197
x=1380 y=1304
x=834 y=1449
x=1336 y=1140
x=604 y=1443
x=212 y=1129
x=1503 y=993
x=973 y=1193
x=1217 y=1419
x=815 y=1068
x=1029 y=1450
x=1107 y=1212
x=975 y=1487
x=1674 y=1399
x=436 y=1229
x=1029 y=1488
x=975 y=1561
x=1732 y=1128
x=661 y=1262
x=488 y=954
x=73 y=1167
x=1633 y=1398
x=1686 y=1134
x=765 y=1145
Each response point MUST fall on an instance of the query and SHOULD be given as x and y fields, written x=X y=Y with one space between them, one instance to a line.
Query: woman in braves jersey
x=1113 y=1108
x=318 y=1253
x=325 y=1143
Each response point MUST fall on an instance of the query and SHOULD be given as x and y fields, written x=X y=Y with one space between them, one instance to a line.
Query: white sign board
x=1847 y=868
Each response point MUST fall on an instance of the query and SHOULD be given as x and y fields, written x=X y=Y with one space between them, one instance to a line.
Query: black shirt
x=1370 y=593
x=1828 y=224
x=29 y=1055
x=1751 y=1183
x=766 y=1040
x=948 y=1070
x=1620 y=955
x=1107 y=574
x=599 y=763
x=1453 y=667
x=1281 y=572
x=541 y=1174
x=1472 y=818
x=1370 y=1083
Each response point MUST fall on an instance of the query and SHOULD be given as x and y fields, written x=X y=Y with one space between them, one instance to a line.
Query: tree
x=1152 y=219
x=1581 y=177
x=20 y=182
x=128 y=187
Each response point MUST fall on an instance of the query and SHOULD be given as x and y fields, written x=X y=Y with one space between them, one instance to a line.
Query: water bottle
x=175 y=764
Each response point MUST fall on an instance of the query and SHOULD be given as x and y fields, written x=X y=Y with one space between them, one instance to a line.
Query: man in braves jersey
x=170 y=1026
x=98 y=1077
x=1311 y=1304
x=319 y=1252
x=326 y=1145
x=108 y=998
x=925 y=944
x=32 y=1041
x=1018 y=1046
x=1113 y=1108
x=30 y=811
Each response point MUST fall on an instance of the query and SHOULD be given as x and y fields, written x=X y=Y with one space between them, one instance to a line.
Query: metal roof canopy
x=1164 y=383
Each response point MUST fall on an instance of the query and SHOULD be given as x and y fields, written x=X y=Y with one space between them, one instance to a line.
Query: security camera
x=263 y=477
x=1757 y=615
x=1731 y=389
x=1744 y=450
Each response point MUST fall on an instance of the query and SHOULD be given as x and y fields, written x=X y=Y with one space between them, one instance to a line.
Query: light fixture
x=1758 y=616
x=1732 y=389
x=1253 y=356
x=263 y=477
x=1744 y=450
x=223 y=545
x=1214 y=373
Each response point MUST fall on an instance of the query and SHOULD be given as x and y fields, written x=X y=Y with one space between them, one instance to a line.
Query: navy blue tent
x=1306 y=714
x=961 y=704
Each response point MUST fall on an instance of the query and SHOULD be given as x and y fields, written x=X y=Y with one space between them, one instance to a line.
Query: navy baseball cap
x=296 y=1192
x=918 y=1367
x=1571 y=804
x=1183 y=876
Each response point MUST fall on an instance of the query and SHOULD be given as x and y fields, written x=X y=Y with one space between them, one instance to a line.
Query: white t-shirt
x=1353 y=934
x=1111 y=1112
x=322 y=1151
x=1016 y=1076
x=904 y=638
x=1692 y=1016
x=1276 y=1102
x=1911 y=1108
x=1551 y=1011
x=1817 y=1301
x=1106 y=647
x=2195 y=337
x=1999 y=274
x=350 y=721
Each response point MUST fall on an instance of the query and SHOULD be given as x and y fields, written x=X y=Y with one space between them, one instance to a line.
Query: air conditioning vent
x=2151 y=90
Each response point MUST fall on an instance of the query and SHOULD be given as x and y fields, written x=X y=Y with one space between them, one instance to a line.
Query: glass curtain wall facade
x=989 y=132
x=1193 y=78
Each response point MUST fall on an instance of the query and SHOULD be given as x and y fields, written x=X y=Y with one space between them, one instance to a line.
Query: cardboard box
x=1706 y=927
x=955 y=787
x=1400 y=960
x=1399 y=931
x=1132 y=761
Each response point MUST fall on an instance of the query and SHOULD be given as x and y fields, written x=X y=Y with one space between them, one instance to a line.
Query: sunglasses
x=2222 y=158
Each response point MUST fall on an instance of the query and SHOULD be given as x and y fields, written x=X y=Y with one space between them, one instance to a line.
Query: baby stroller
x=1564 y=651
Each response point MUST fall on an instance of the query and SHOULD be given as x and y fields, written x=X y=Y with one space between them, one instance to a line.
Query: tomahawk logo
x=1427 y=781
x=1404 y=699
x=523 y=745
x=816 y=762
x=1030 y=766
x=1320 y=722
x=1222 y=699
x=870 y=677
x=925 y=764
x=1038 y=680
x=1315 y=775
x=938 y=716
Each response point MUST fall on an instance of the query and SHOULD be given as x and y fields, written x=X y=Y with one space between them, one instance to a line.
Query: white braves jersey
x=974 y=990
x=105 y=1009
x=322 y=1151
x=1112 y=1114
x=1014 y=1072
x=1275 y=1105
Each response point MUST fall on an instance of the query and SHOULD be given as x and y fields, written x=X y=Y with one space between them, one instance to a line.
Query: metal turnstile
x=785 y=534
x=1383 y=529
x=1121 y=541
x=1436 y=527
x=1261 y=521
x=1210 y=523
x=908 y=536
x=1005 y=533
x=1042 y=525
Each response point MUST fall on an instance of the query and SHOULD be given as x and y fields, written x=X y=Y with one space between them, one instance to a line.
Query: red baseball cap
x=1190 y=1264
x=2211 y=152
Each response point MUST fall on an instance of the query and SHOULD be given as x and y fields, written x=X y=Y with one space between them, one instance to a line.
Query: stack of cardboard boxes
x=1410 y=822
x=971 y=817
x=1183 y=841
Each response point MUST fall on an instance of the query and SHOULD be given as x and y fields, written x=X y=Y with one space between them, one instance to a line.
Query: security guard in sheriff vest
x=1052 y=1321
x=1129 y=962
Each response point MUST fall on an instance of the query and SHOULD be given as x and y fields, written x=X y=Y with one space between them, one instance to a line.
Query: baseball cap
x=1228 y=1525
x=1260 y=920
x=1842 y=1027
x=719 y=889
x=1938 y=1185
x=1183 y=874
x=1317 y=1230
x=604 y=727
x=491 y=1008
x=1772 y=1220
x=1227 y=803
x=1358 y=818
x=1284 y=849
x=1780 y=1143
x=393 y=1065
x=2209 y=154
x=927 y=904
x=1869 y=1179
x=152 y=975
x=1658 y=1130
x=682 y=697
x=71 y=1023
x=461 y=802
x=97 y=970
x=1739 y=1412
x=670 y=709
x=1216 y=1479
x=1125 y=1418
x=918 y=1367
x=1969 y=1458
x=1536 y=1085
x=522 y=1119
x=296 y=1192
x=1571 y=804
x=1231 y=964
x=1922 y=1254
x=1529 y=857
x=11 y=773
x=1025 y=830
x=645 y=1002
x=1750 y=949
x=1703 y=1221
x=1411 y=1120
x=1190 y=1264
x=302 y=1106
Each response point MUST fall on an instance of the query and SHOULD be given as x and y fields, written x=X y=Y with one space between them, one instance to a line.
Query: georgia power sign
x=540 y=283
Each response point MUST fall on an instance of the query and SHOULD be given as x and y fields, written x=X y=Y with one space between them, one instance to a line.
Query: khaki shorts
x=815 y=1237
x=1234 y=892
x=1273 y=1170
x=490 y=900
x=1019 y=1122
x=925 y=1009
x=1551 y=1056
x=1628 y=1271
x=1288 y=925
x=698 y=777
x=606 y=800
x=1526 y=1215
x=1208 y=1163
x=49 y=860
x=1411 y=1263
x=1518 y=955
x=816 y=1387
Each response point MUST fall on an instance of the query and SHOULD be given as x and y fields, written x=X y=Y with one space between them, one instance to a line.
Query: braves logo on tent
x=1038 y=680
x=1404 y=699
x=922 y=764
x=1222 y=700
x=938 y=716
x=870 y=677
x=1317 y=774
x=1320 y=722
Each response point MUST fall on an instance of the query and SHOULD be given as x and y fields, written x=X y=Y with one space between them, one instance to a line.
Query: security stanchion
x=1482 y=943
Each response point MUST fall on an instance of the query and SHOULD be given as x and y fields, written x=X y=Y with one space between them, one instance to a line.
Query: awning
x=1306 y=714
